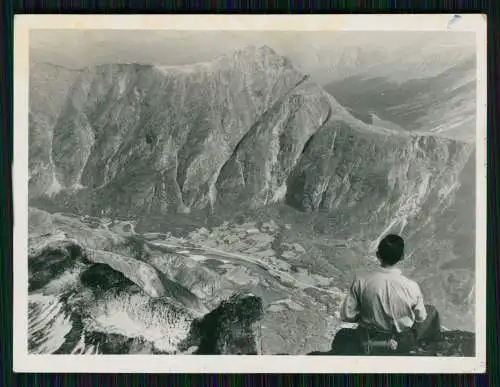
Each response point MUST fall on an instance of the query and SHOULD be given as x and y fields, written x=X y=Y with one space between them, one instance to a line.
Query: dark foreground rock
x=52 y=261
x=452 y=344
x=102 y=277
x=228 y=329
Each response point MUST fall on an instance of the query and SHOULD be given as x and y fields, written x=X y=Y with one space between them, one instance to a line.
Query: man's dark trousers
x=349 y=341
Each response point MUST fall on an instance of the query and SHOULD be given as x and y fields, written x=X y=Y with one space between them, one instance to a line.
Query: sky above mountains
x=315 y=53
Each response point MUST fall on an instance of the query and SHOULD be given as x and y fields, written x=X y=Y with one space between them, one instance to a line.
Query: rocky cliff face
x=247 y=128
x=48 y=91
x=167 y=131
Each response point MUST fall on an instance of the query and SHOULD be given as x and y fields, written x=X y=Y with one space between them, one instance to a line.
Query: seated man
x=386 y=306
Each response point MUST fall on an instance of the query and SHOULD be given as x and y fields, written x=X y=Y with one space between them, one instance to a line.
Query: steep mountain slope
x=443 y=254
x=444 y=103
x=163 y=134
x=48 y=90
x=136 y=139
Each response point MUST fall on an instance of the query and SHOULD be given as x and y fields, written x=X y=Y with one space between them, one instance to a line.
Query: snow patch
x=280 y=193
x=48 y=321
x=54 y=188
x=122 y=85
x=131 y=316
x=184 y=69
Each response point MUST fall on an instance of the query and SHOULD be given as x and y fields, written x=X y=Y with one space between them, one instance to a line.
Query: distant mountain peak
x=262 y=56
x=262 y=53
x=265 y=49
x=252 y=49
x=55 y=66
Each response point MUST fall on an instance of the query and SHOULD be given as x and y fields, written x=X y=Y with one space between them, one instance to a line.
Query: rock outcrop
x=229 y=329
x=52 y=261
x=49 y=87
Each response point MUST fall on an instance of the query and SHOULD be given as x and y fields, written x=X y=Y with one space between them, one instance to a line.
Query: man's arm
x=419 y=308
x=350 y=307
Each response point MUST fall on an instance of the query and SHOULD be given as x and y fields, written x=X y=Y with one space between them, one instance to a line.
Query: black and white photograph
x=313 y=193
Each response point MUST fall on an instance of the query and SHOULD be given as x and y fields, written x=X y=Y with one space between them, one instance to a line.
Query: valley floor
x=164 y=282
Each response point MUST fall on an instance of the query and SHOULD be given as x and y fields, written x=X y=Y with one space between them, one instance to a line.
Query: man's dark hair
x=391 y=249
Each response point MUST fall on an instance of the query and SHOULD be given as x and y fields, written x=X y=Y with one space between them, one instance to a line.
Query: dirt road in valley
x=274 y=272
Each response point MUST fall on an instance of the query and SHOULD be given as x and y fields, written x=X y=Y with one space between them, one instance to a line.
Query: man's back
x=384 y=301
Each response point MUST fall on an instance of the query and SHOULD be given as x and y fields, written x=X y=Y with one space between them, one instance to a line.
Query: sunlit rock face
x=131 y=139
x=48 y=91
x=166 y=131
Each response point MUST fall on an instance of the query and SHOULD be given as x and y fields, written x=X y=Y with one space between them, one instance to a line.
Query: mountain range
x=442 y=103
x=248 y=134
